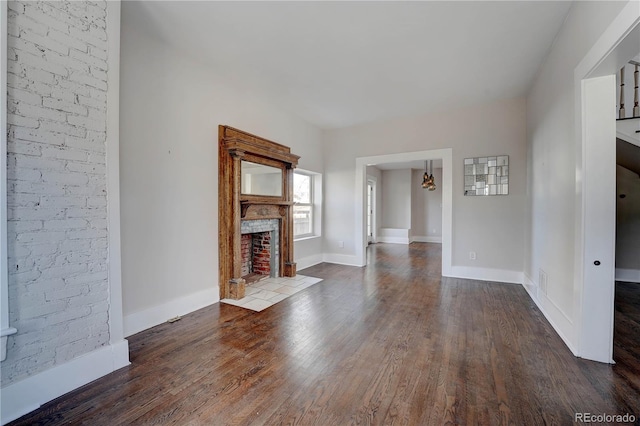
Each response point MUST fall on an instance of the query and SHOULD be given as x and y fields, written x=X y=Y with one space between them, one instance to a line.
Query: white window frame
x=315 y=204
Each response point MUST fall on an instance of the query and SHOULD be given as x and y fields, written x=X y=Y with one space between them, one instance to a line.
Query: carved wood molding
x=235 y=146
x=237 y=140
x=263 y=210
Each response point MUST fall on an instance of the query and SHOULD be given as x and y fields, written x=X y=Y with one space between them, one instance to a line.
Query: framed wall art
x=486 y=175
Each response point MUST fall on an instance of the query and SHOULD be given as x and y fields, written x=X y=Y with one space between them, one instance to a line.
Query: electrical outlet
x=340 y=244
x=472 y=255
x=542 y=281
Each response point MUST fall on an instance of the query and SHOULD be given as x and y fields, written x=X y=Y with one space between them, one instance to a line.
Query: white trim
x=628 y=275
x=528 y=284
x=315 y=189
x=6 y=331
x=618 y=30
x=308 y=237
x=393 y=240
x=558 y=315
x=615 y=34
x=308 y=261
x=374 y=206
x=142 y=320
x=4 y=340
x=486 y=274
x=22 y=397
x=341 y=259
x=446 y=155
x=426 y=239
x=394 y=235
x=116 y=328
x=599 y=219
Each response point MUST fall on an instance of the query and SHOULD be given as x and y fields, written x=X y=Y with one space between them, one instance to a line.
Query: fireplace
x=255 y=188
x=259 y=249
x=256 y=256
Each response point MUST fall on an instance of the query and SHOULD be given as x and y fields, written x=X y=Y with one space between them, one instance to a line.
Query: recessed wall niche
x=486 y=175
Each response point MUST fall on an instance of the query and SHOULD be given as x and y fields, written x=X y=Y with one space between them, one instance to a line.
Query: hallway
x=626 y=335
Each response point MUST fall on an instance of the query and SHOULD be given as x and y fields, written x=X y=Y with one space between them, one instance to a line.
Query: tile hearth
x=269 y=291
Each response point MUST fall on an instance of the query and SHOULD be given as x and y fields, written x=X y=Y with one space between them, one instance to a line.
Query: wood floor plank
x=393 y=343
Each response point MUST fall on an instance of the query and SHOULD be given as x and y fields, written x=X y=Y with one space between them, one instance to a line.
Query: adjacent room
x=230 y=212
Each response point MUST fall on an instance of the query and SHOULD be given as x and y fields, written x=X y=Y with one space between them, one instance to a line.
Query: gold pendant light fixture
x=428 y=182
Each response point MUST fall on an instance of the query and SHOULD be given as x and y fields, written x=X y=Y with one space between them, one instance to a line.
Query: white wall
x=628 y=220
x=396 y=199
x=171 y=107
x=426 y=214
x=551 y=168
x=491 y=226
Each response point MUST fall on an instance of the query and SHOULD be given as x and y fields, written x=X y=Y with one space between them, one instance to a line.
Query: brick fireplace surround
x=259 y=248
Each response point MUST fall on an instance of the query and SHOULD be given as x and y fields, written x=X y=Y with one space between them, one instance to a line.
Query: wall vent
x=542 y=281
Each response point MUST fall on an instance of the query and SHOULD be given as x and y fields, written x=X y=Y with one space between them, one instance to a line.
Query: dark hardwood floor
x=392 y=343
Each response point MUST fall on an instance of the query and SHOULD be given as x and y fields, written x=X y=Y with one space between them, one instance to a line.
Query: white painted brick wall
x=56 y=183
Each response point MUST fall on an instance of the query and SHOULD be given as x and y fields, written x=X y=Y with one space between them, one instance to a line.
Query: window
x=303 y=207
x=307 y=210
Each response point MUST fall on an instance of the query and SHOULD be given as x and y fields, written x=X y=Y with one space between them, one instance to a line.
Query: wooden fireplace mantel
x=263 y=209
x=234 y=146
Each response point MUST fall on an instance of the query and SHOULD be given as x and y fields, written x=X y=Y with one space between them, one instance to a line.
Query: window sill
x=305 y=237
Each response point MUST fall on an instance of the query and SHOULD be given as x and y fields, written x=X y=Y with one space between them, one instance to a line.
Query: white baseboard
x=394 y=235
x=486 y=274
x=308 y=261
x=22 y=397
x=139 y=321
x=560 y=322
x=341 y=259
x=628 y=275
x=393 y=240
x=426 y=239
x=529 y=285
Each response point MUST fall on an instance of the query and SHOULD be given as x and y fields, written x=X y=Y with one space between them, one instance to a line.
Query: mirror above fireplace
x=259 y=179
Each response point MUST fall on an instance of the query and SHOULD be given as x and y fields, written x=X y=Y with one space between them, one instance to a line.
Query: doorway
x=371 y=210
x=446 y=155
x=595 y=201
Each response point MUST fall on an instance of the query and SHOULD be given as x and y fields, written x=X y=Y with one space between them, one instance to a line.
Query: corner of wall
x=560 y=322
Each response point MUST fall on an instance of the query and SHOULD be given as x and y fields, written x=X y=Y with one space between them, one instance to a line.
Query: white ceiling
x=337 y=64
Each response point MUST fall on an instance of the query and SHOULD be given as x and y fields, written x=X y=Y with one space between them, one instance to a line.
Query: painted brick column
x=56 y=184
